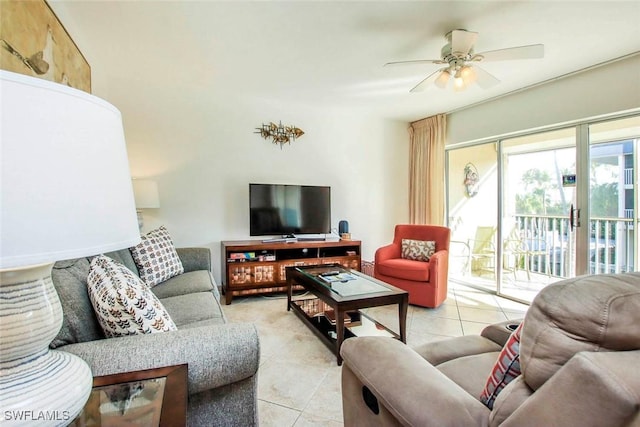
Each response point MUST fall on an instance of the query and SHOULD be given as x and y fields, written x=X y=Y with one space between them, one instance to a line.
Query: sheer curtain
x=426 y=170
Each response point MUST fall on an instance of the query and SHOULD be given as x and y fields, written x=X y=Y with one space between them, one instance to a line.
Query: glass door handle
x=574 y=217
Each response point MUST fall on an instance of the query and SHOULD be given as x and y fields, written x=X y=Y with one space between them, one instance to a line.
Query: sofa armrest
x=491 y=339
x=194 y=259
x=216 y=355
x=405 y=385
x=387 y=252
x=500 y=332
x=441 y=351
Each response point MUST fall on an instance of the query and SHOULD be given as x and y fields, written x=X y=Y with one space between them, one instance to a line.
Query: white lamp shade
x=66 y=186
x=145 y=192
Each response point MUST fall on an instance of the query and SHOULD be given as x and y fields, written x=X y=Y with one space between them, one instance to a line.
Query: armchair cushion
x=418 y=250
x=509 y=399
x=405 y=269
x=470 y=372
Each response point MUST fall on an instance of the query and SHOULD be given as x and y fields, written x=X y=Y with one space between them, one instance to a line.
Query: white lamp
x=145 y=192
x=66 y=193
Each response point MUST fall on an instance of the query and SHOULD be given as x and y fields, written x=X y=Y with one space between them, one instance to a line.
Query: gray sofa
x=222 y=358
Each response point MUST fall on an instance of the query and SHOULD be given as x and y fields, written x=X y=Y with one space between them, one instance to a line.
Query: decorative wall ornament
x=471 y=179
x=279 y=134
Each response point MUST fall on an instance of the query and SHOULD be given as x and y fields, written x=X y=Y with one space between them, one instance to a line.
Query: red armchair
x=426 y=281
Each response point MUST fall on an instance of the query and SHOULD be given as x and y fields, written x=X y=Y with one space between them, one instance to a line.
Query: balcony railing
x=611 y=244
x=628 y=176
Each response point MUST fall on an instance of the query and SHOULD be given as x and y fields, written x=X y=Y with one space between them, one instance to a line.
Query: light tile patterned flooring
x=299 y=380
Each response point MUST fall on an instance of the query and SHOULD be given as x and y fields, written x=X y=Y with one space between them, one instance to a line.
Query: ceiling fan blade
x=462 y=41
x=424 y=84
x=416 y=61
x=521 y=52
x=484 y=79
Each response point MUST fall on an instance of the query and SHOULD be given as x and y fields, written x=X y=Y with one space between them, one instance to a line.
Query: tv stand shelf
x=256 y=267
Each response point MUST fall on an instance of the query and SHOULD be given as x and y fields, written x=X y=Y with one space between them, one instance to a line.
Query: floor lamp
x=145 y=193
x=65 y=193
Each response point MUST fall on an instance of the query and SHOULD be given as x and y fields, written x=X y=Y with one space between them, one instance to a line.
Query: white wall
x=204 y=154
x=205 y=157
x=600 y=91
x=204 y=165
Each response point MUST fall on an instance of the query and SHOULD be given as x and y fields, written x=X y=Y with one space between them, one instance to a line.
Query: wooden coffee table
x=332 y=312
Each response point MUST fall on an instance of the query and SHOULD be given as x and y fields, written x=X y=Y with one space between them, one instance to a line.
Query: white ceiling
x=330 y=54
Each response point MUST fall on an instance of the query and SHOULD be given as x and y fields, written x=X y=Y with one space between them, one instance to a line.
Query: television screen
x=289 y=209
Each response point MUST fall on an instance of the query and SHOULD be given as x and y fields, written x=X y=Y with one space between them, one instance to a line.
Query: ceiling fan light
x=443 y=79
x=458 y=83
x=468 y=74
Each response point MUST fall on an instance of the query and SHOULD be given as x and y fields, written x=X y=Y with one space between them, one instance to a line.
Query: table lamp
x=65 y=193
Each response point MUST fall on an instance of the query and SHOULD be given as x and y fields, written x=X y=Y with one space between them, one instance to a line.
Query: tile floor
x=299 y=380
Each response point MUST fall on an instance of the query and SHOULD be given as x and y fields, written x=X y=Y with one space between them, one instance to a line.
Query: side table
x=153 y=397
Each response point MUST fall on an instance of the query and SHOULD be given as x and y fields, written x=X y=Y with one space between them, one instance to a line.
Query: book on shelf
x=242 y=255
x=313 y=307
x=250 y=256
x=331 y=317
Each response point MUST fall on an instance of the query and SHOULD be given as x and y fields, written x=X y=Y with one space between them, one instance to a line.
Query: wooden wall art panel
x=34 y=42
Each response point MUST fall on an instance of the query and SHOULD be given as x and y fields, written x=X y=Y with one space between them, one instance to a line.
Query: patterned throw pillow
x=123 y=304
x=418 y=250
x=506 y=369
x=156 y=257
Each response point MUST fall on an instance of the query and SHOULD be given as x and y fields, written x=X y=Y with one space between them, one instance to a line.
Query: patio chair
x=519 y=253
x=483 y=251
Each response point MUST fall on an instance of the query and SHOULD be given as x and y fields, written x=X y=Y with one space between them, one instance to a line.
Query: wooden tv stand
x=256 y=267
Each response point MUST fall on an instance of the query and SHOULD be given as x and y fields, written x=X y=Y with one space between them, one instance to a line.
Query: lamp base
x=37 y=385
x=48 y=391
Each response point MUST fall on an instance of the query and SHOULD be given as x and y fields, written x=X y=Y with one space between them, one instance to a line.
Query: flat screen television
x=279 y=209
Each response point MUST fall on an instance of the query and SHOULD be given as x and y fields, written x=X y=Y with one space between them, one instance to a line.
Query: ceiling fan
x=460 y=58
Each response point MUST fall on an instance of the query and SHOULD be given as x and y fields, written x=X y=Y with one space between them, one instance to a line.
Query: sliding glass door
x=613 y=205
x=537 y=208
x=538 y=238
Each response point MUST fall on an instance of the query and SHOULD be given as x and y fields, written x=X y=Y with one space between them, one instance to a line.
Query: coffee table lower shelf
x=356 y=324
x=339 y=294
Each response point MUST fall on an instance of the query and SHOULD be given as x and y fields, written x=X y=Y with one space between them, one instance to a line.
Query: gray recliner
x=579 y=356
